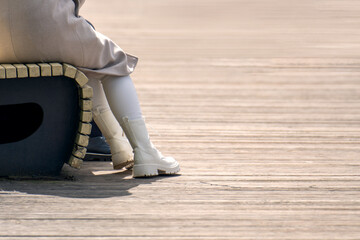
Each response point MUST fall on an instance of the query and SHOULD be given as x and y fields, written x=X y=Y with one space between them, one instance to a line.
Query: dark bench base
x=40 y=122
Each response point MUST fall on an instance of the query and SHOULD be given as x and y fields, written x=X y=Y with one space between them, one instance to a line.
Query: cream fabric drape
x=50 y=31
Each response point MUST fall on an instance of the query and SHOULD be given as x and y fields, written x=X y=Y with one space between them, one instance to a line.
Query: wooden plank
x=69 y=71
x=10 y=70
x=56 y=69
x=2 y=72
x=85 y=128
x=79 y=152
x=75 y=162
x=45 y=69
x=86 y=116
x=82 y=140
x=81 y=78
x=34 y=70
x=86 y=104
x=86 y=92
x=22 y=70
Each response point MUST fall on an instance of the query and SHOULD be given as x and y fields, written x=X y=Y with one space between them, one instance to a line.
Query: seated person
x=52 y=31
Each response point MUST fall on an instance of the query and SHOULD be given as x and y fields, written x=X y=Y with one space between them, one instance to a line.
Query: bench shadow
x=94 y=180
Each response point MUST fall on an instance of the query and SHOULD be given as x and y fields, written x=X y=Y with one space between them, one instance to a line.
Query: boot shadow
x=94 y=180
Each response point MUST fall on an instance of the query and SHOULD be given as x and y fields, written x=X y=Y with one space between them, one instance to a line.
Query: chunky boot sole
x=127 y=165
x=149 y=170
x=122 y=159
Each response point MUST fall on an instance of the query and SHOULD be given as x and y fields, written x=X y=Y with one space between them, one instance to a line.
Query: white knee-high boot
x=124 y=103
x=121 y=151
x=148 y=161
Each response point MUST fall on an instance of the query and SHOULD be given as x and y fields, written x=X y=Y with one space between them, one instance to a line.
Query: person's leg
x=120 y=148
x=124 y=103
x=122 y=97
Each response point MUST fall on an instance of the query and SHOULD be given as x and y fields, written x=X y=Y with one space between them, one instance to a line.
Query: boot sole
x=122 y=159
x=147 y=170
x=127 y=165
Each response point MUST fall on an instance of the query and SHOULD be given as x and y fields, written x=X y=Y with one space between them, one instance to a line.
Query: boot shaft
x=108 y=125
x=137 y=133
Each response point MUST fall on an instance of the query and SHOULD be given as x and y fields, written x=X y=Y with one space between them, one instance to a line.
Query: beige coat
x=53 y=31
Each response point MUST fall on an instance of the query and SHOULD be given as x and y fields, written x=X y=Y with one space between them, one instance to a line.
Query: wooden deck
x=260 y=103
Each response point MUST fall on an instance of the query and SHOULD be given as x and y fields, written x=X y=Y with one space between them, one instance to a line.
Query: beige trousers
x=50 y=31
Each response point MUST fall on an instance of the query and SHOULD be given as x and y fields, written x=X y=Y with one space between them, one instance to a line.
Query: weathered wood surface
x=258 y=100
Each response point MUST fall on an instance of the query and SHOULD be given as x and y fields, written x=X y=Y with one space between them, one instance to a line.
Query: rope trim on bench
x=8 y=71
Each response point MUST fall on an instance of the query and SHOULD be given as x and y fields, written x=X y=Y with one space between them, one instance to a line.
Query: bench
x=45 y=115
